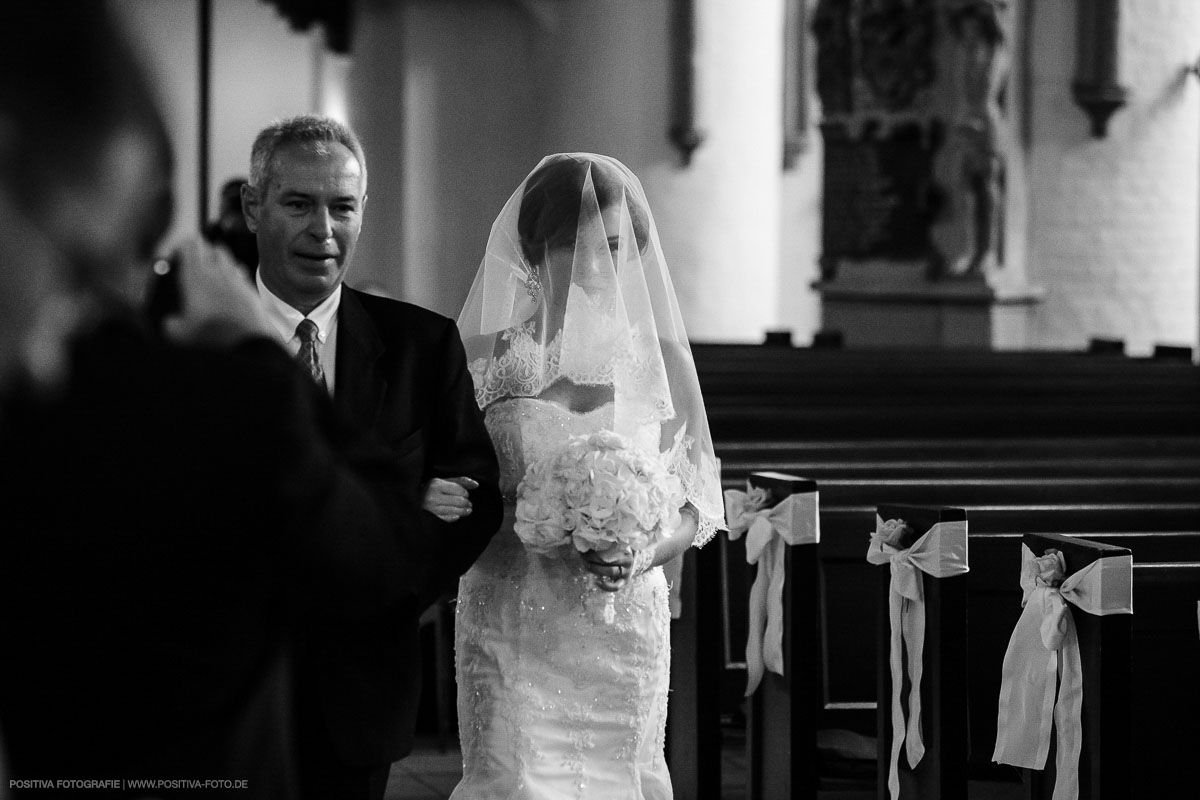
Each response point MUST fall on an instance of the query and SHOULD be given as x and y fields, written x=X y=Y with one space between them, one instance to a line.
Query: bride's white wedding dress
x=553 y=702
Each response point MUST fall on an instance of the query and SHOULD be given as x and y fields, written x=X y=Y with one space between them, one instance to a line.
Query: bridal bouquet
x=597 y=492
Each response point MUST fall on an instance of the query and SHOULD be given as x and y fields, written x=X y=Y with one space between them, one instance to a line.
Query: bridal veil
x=574 y=287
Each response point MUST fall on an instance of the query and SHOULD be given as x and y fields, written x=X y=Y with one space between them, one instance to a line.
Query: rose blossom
x=892 y=533
x=1051 y=568
x=597 y=491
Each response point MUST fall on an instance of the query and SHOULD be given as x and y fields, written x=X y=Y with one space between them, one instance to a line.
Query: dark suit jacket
x=169 y=519
x=402 y=377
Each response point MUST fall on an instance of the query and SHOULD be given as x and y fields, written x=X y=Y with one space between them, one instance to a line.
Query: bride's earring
x=533 y=284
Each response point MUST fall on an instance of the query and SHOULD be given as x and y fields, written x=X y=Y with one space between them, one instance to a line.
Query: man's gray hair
x=310 y=130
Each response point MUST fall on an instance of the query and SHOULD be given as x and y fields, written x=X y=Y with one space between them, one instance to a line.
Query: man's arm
x=459 y=446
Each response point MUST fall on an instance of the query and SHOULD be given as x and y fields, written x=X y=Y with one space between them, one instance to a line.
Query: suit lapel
x=360 y=385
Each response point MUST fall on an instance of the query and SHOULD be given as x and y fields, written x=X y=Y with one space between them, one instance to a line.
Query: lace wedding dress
x=554 y=702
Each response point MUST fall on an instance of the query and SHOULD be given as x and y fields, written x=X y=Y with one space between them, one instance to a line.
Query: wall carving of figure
x=835 y=56
x=970 y=166
x=896 y=39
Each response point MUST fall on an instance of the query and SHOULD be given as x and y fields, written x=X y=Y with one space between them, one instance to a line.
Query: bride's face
x=589 y=261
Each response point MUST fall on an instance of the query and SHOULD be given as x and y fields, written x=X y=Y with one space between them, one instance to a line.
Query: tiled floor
x=427 y=774
x=430 y=774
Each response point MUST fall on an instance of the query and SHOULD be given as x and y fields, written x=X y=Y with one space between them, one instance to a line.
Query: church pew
x=842 y=565
x=1166 y=654
x=844 y=527
x=773 y=392
x=849 y=621
x=1068 y=417
x=1105 y=645
x=880 y=367
x=781 y=732
x=942 y=772
x=839 y=415
x=1166 y=661
x=1166 y=648
x=849 y=697
x=693 y=735
x=1009 y=490
x=993 y=458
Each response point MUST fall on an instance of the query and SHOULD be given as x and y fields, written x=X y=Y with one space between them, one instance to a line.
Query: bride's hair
x=549 y=215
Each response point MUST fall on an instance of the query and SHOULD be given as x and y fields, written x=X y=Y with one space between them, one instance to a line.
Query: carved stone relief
x=913 y=115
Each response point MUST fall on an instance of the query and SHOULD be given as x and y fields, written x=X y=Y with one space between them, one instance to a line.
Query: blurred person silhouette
x=176 y=507
x=229 y=228
x=399 y=373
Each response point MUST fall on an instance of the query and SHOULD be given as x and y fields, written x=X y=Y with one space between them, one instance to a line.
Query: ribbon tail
x=894 y=659
x=773 y=563
x=1026 y=709
x=913 y=617
x=754 y=637
x=1067 y=719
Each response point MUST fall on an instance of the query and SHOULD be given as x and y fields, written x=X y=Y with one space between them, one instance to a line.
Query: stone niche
x=915 y=128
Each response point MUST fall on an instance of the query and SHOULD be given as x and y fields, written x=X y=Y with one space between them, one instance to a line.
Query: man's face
x=307 y=219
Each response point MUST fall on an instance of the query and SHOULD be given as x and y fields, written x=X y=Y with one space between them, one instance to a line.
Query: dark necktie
x=307 y=331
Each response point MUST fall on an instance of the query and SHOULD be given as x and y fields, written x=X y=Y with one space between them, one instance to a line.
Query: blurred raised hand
x=218 y=305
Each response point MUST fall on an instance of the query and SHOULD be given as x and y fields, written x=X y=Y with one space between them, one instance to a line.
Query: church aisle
x=430 y=774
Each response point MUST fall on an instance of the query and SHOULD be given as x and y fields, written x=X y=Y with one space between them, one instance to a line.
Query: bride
x=572 y=327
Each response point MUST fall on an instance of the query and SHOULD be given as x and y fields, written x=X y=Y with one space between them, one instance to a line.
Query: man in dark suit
x=398 y=372
x=173 y=507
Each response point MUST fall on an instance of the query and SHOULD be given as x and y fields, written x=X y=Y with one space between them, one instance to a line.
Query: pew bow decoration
x=941 y=552
x=794 y=520
x=1043 y=659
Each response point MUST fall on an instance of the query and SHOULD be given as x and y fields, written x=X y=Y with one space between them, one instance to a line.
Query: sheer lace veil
x=574 y=291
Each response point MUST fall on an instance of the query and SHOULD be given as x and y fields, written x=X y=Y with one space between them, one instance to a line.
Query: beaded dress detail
x=553 y=702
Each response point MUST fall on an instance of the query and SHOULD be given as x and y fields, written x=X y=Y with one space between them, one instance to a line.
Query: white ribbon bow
x=1043 y=647
x=940 y=552
x=794 y=520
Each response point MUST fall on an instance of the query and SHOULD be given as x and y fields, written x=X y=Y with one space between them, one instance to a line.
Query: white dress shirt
x=285 y=319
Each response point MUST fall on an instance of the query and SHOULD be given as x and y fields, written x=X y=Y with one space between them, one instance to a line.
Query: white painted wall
x=721 y=216
x=1113 y=233
x=441 y=94
x=458 y=101
x=262 y=71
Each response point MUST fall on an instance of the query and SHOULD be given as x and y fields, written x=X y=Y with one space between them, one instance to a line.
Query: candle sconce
x=795 y=82
x=1095 y=87
x=683 y=132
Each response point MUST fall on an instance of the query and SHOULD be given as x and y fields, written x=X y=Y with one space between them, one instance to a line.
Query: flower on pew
x=753 y=500
x=891 y=534
x=1051 y=568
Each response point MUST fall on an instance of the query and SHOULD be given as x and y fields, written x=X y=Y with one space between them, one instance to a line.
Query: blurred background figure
x=173 y=504
x=229 y=228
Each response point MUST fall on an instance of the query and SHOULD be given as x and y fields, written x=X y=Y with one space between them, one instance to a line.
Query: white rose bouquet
x=597 y=492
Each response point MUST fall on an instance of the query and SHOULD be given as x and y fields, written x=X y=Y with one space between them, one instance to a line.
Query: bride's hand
x=613 y=567
x=448 y=499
